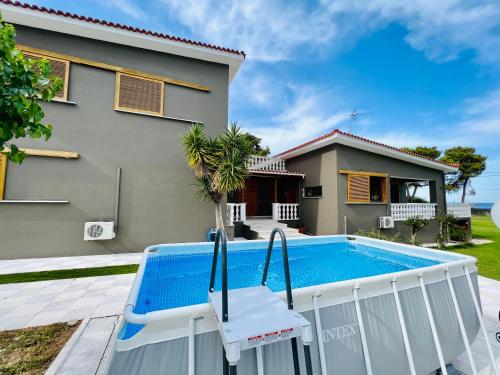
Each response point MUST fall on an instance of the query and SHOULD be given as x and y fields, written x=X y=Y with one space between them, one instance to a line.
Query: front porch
x=403 y=200
x=270 y=192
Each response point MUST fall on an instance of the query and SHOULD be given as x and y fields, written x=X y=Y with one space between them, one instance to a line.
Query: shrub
x=445 y=223
x=416 y=224
x=377 y=234
x=459 y=233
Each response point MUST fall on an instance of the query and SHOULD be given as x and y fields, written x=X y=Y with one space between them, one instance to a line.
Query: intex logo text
x=339 y=332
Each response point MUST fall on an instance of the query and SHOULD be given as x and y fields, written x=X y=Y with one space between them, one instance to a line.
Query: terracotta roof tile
x=115 y=25
x=337 y=131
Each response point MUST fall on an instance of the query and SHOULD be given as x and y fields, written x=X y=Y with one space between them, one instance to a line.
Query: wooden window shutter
x=60 y=68
x=358 y=188
x=3 y=170
x=138 y=94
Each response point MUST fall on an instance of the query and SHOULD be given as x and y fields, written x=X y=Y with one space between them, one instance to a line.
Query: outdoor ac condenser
x=385 y=222
x=99 y=230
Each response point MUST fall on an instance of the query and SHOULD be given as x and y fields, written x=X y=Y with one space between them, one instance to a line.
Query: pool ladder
x=260 y=316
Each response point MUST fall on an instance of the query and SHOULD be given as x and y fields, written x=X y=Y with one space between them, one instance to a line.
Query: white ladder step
x=257 y=317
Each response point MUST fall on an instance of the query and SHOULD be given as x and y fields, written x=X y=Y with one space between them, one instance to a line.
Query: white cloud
x=482 y=116
x=266 y=30
x=304 y=117
x=128 y=7
x=274 y=30
x=441 y=29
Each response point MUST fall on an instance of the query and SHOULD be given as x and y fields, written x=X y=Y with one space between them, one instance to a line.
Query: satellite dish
x=495 y=213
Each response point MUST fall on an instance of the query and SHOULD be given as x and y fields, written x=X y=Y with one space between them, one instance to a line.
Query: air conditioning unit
x=385 y=222
x=99 y=230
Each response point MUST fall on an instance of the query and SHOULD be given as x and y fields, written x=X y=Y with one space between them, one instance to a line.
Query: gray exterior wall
x=158 y=202
x=326 y=215
x=319 y=215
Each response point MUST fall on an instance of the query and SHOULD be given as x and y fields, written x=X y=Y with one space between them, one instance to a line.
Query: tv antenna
x=355 y=115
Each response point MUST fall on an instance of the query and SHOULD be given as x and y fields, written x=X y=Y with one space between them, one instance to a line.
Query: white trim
x=370 y=147
x=61 y=24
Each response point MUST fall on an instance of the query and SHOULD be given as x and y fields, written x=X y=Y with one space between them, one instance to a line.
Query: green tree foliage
x=24 y=85
x=255 y=143
x=471 y=165
x=415 y=224
x=219 y=164
x=426 y=152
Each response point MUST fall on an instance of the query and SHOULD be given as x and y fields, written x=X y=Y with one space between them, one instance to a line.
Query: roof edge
x=338 y=136
x=73 y=24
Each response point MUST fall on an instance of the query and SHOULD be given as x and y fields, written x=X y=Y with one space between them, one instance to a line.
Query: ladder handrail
x=220 y=237
x=285 y=264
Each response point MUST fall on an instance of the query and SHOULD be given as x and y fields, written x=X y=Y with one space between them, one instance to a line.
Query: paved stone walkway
x=45 y=302
x=65 y=263
x=490 y=301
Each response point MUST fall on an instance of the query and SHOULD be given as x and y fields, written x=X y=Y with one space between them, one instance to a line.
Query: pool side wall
x=162 y=343
x=158 y=201
x=341 y=337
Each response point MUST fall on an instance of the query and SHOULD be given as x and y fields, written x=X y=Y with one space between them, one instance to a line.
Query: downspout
x=117 y=198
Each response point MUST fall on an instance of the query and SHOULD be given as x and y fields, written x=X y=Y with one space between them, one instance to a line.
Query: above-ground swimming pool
x=368 y=301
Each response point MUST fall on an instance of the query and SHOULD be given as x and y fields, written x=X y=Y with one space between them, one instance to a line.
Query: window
x=138 y=94
x=312 y=192
x=60 y=68
x=366 y=187
x=3 y=170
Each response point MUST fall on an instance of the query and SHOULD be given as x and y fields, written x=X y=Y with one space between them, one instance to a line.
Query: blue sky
x=423 y=72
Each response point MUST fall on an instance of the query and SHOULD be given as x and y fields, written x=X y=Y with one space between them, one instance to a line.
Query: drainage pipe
x=319 y=333
x=117 y=198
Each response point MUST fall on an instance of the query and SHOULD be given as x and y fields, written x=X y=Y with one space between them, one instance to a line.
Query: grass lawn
x=67 y=274
x=32 y=350
x=488 y=256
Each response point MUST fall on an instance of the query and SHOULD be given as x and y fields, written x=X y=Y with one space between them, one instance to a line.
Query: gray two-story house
x=115 y=155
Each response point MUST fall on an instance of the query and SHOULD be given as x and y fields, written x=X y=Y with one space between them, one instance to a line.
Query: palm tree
x=219 y=164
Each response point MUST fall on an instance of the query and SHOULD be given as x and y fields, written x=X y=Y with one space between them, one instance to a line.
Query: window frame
x=64 y=98
x=134 y=110
x=314 y=196
x=383 y=176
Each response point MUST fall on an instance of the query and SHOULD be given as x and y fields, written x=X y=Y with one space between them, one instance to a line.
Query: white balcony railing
x=461 y=210
x=285 y=211
x=236 y=212
x=402 y=211
x=264 y=163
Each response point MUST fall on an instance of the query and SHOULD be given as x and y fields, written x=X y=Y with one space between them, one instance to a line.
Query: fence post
x=230 y=213
x=276 y=209
x=243 y=212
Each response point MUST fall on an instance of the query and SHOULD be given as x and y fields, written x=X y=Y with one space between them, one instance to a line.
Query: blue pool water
x=180 y=280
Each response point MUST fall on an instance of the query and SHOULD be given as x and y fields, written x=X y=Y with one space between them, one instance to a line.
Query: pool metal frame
x=180 y=322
